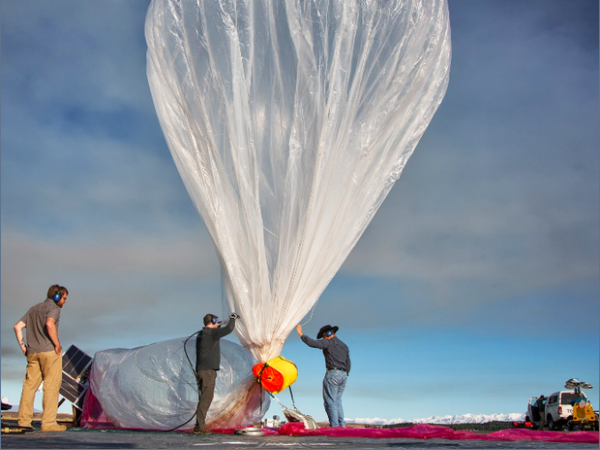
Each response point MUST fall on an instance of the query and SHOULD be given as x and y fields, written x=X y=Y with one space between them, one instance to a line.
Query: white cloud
x=493 y=224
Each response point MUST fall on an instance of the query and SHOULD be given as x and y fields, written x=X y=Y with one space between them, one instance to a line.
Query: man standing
x=541 y=405
x=44 y=358
x=337 y=362
x=208 y=361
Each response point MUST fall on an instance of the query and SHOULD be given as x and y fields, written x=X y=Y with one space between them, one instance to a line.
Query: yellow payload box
x=276 y=374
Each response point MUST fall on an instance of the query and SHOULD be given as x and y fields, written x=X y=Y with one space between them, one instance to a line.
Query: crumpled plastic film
x=289 y=122
x=154 y=387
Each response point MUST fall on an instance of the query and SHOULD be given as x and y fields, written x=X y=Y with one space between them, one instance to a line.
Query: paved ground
x=105 y=439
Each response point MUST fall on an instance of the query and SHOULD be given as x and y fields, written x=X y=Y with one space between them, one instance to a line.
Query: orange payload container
x=276 y=374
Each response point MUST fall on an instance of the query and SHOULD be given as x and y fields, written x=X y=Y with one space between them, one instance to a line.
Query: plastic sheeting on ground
x=154 y=388
x=438 y=432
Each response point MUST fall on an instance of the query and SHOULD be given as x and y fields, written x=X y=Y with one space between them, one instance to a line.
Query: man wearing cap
x=208 y=361
x=337 y=362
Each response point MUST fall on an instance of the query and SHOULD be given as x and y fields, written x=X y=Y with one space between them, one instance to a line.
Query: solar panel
x=75 y=361
x=73 y=391
x=76 y=367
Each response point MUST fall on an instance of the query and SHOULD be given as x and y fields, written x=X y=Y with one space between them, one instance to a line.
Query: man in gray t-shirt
x=44 y=358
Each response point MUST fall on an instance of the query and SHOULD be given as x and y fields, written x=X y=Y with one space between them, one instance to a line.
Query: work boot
x=26 y=427
x=54 y=427
x=202 y=430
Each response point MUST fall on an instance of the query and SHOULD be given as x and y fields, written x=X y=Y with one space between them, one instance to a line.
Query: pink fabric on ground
x=440 y=432
x=92 y=415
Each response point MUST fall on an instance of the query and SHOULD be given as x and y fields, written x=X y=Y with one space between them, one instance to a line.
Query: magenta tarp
x=440 y=432
x=93 y=417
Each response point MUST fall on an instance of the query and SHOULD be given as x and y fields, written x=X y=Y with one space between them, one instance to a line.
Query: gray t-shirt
x=38 y=340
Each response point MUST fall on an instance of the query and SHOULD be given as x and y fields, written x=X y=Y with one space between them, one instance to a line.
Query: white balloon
x=289 y=122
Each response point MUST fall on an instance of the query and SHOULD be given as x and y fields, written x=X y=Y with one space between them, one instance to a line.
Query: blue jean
x=333 y=388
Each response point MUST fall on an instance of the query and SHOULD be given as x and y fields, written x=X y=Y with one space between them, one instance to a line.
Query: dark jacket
x=208 y=347
x=337 y=355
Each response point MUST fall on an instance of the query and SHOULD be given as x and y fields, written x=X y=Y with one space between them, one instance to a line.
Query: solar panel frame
x=76 y=367
x=75 y=362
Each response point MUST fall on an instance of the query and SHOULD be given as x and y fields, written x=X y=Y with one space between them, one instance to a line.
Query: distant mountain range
x=447 y=420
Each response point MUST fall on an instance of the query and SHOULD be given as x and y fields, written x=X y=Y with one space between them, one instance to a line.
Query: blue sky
x=475 y=287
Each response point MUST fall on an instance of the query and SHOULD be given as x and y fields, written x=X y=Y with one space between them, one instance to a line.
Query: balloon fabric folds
x=289 y=122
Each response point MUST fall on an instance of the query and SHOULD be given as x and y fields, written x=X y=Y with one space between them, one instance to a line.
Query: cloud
x=87 y=55
x=129 y=292
x=502 y=192
x=84 y=136
x=492 y=227
x=92 y=183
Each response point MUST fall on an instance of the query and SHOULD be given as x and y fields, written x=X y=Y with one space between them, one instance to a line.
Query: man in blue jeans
x=337 y=362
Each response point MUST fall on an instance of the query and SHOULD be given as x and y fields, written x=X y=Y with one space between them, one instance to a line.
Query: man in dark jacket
x=337 y=362
x=208 y=361
x=541 y=405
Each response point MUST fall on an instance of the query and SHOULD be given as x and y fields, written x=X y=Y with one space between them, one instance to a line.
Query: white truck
x=559 y=408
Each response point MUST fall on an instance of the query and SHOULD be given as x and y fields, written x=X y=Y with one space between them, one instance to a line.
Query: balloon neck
x=266 y=350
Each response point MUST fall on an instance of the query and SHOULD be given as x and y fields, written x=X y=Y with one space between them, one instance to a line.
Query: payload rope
x=292 y=415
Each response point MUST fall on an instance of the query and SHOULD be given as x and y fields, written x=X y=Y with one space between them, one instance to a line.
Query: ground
x=76 y=437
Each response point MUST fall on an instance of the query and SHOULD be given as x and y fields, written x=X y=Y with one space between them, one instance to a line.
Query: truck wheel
x=550 y=423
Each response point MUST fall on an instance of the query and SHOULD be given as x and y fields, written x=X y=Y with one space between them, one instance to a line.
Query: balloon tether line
x=311 y=315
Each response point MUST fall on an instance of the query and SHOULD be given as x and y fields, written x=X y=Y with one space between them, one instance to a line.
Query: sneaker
x=202 y=431
x=54 y=427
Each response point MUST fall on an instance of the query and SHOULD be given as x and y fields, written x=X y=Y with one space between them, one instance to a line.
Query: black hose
x=195 y=376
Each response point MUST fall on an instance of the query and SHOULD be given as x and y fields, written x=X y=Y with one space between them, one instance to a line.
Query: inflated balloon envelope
x=289 y=122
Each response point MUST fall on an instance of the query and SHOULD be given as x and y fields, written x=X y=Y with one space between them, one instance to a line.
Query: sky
x=475 y=287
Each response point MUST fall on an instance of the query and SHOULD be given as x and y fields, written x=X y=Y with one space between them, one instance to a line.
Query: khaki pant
x=46 y=367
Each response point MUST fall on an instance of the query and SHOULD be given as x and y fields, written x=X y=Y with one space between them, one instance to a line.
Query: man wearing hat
x=337 y=362
x=208 y=361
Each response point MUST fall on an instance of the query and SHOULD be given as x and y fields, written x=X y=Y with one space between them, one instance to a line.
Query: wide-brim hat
x=325 y=329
